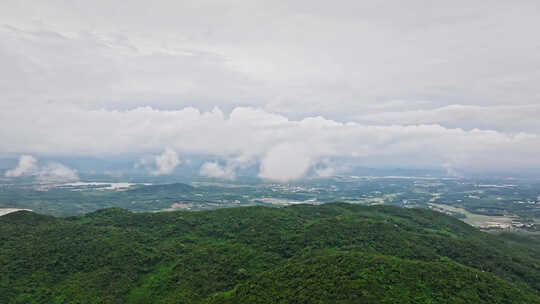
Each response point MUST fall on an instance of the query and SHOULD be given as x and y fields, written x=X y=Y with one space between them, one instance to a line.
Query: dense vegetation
x=332 y=253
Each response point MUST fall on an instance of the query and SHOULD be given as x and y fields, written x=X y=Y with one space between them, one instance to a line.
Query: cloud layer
x=340 y=60
x=284 y=85
x=285 y=148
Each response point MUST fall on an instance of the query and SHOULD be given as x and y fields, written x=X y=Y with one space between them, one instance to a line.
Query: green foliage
x=351 y=277
x=332 y=253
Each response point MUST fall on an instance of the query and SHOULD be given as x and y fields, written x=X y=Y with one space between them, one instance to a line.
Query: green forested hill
x=351 y=277
x=332 y=253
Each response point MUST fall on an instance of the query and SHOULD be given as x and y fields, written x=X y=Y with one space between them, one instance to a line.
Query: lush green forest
x=331 y=253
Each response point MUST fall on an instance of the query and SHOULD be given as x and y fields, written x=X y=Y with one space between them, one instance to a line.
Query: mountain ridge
x=117 y=256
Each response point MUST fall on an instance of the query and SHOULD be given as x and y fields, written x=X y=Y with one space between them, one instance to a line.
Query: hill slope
x=348 y=277
x=333 y=253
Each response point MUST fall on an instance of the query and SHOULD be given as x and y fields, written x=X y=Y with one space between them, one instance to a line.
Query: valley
x=486 y=204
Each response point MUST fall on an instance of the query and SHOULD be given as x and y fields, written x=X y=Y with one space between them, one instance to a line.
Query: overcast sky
x=289 y=85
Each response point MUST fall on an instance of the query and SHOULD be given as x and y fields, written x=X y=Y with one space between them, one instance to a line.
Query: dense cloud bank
x=286 y=149
x=458 y=64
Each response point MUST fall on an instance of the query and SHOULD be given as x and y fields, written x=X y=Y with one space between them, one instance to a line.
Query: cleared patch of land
x=477 y=220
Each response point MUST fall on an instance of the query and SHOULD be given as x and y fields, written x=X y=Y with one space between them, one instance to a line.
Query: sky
x=288 y=86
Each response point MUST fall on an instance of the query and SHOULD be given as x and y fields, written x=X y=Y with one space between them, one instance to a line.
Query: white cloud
x=285 y=162
x=27 y=166
x=166 y=162
x=50 y=173
x=500 y=117
x=55 y=173
x=285 y=148
x=162 y=164
x=450 y=171
x=325 y=172
x=213 y=169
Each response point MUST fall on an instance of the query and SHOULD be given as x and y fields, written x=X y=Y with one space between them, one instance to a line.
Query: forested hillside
x=332 y=253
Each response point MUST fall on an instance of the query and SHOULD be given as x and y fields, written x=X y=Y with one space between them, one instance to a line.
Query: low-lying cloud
x=49 y=173
x=286 y=149
x=215 y=170
x=166 y=162
x=27 y=166
x=161 y=164
x=286 y=162
x=56 y=173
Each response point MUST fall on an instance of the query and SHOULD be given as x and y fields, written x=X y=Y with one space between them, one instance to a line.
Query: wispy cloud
x=215 y=170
